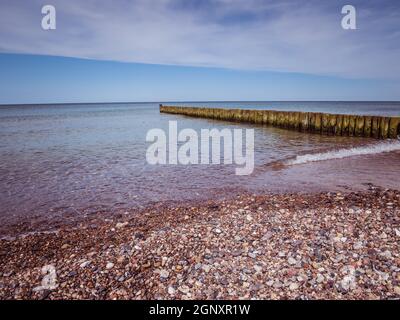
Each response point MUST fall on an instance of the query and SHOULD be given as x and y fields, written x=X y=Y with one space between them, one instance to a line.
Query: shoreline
x=275 y=246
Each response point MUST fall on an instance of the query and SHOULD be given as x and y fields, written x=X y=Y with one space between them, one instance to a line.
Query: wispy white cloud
x=286 y=35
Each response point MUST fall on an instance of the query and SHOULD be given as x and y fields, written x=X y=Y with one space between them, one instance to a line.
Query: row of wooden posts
x=331 y=124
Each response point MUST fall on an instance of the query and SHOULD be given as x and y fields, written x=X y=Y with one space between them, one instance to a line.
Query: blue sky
x=185 y=50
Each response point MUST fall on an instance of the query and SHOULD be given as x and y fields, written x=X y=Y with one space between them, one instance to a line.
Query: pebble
x=348 y=283
x=320 y=278
x=297 y=246
x=258 y=268
x=358 y=245
x=236 y=253
x=387 y=254
x=293 y=286
x=121 y=260
x=84 y=264
x=184 y=289
x=206 y=268
x=252 y=255
x=171 y=291
x=120 y=225
x=164 y=274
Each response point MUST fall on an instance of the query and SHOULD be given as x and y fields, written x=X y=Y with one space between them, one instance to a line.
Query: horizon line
x=188 y=101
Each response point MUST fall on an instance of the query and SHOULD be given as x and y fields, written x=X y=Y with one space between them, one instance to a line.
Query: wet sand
x=272 y=246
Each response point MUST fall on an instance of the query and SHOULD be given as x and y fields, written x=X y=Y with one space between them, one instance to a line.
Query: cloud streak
x=286 y=35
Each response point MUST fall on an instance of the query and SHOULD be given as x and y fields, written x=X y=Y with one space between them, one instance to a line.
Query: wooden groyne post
x=378 y=127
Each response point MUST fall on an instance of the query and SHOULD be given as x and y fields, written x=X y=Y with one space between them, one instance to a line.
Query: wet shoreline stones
x=284 y=246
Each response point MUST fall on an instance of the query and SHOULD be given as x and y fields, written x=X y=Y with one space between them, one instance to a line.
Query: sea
x=68 y=160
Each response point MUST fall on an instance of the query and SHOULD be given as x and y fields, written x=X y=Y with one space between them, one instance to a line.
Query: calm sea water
x=82 y=158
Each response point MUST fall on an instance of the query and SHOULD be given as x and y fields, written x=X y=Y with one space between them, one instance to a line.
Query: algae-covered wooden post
x=304 y=117
x=311 y=123
x=280 y=119
x=359 y=127
x=325 y=122
x=384 y=128
x=245 y=115
x=394 y=127
x=225 y=114
x=272 y=118
x=339 y=125
x=345 y=125
x=286 y=120
x=375 y=127
x=352 y=125
x=296 y=120
x=333 y=124
x=318 y=122
x=265 y=116
x=367 y=126
x=259 y=117
x=252 y=116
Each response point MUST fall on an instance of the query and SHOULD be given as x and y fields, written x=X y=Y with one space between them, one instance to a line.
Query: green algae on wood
x=359 y=127
x=394 y=127
x=332 y=124
x=384 y=127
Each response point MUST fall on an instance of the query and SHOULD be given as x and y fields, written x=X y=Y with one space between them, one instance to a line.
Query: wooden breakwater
x=378 y=127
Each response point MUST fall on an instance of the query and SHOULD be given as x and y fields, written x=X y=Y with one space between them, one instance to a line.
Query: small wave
x=386 y=146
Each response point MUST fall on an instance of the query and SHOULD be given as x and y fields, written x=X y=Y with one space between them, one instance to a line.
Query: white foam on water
x=386 y=146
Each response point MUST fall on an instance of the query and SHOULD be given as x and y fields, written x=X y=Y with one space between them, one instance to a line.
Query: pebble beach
x=270 y=246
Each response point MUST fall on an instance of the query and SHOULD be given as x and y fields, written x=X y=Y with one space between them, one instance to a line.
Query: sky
x=192 y=50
